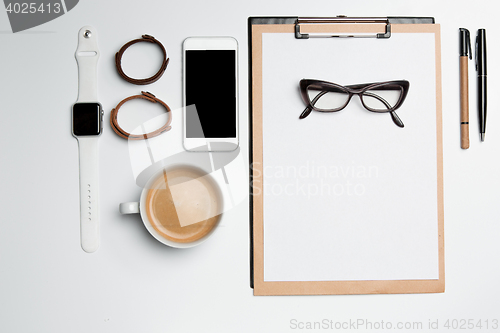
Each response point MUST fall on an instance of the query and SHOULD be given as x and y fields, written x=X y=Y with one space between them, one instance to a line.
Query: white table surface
x=134 y=283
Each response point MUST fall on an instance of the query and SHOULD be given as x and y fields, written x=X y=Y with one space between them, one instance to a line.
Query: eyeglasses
x=379 y=97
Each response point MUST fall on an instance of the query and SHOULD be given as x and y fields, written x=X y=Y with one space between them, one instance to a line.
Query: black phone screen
x=210 y=93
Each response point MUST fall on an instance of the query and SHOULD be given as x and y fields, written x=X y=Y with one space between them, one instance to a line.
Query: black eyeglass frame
x=357 y=89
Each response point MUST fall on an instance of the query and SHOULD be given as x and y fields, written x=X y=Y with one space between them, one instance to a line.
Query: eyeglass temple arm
x=394 y=115
x=308 y=109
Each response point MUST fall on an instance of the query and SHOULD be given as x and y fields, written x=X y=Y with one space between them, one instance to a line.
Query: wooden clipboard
x=337 y=27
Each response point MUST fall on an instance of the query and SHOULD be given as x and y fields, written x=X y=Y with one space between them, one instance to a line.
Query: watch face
x=86 y=119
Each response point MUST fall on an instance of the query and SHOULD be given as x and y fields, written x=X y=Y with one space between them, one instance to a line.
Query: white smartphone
x=210 y=93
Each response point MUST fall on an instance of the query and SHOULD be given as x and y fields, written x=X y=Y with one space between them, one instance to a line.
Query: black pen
x=481 y=79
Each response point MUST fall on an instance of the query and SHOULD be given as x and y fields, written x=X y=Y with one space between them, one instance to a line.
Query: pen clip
x=477 y=37
x=468 y=42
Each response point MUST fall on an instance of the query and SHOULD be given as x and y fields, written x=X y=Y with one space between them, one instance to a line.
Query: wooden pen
x=465 y=52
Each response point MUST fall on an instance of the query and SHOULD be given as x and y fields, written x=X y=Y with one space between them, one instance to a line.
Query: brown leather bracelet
x=147 y=96
x=154 y=78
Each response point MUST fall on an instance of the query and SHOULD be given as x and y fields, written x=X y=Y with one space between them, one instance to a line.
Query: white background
x=134 y=283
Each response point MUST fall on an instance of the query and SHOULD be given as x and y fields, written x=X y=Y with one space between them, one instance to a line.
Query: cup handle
x=129 y=208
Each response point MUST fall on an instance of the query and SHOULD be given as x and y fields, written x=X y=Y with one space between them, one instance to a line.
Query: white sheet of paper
x=349 y=195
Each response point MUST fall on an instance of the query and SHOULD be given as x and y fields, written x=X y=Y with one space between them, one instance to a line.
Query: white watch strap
x=87 y=54
x=89 y=193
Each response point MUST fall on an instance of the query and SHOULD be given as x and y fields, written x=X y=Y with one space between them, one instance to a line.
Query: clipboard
x=382 y=253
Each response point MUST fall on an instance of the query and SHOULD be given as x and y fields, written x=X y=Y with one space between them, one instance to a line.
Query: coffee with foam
x=184 y=204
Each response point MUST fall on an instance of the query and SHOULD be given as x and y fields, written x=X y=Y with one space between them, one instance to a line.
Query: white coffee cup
x=191 y=198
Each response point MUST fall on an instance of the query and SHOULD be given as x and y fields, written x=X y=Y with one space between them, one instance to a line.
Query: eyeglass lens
x=327 y=100
x=381 y=100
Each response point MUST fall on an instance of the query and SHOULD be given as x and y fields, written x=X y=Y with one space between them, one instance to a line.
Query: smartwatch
x=87 y=116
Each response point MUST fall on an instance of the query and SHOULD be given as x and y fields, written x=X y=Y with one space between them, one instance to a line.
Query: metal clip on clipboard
x=368 y=20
